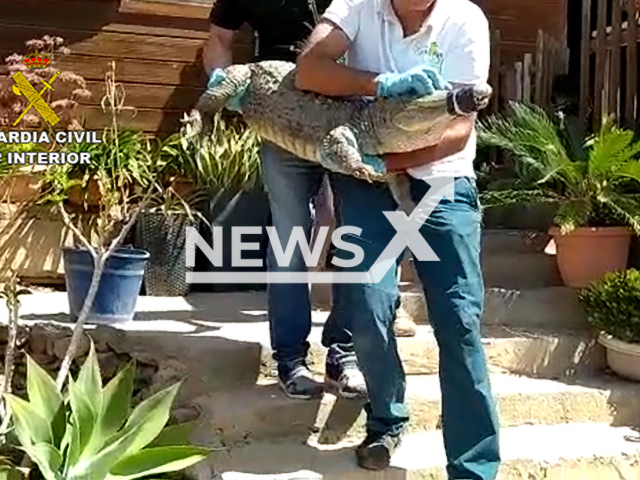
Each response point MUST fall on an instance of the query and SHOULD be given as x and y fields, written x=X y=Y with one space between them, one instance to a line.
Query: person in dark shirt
x=292 y=184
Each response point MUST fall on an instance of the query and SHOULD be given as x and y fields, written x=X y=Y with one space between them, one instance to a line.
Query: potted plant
x=226 y=165
x=99 y=267
x=161 y=226
x=592 y=181
x=612 y=304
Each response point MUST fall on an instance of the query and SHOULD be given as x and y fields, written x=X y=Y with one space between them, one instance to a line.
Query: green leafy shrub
x=228 y=159
x=593 y=180
x=612 y=304
x=91 y=433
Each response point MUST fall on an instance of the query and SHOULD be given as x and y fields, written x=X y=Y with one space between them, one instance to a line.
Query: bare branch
x=132 y=220
x=100 y=260
x=67 y=221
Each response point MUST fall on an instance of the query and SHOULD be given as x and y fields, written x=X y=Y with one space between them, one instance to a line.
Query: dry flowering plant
x=69 y=88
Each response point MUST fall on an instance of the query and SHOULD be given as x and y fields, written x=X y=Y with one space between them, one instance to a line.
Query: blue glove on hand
x=375 y=162
x=417 y=82
x=235 y=102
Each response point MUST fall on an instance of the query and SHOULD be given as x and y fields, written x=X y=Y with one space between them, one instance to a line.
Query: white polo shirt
x=455 y=38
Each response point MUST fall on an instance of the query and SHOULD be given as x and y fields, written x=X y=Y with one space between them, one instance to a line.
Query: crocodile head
x=425 y=113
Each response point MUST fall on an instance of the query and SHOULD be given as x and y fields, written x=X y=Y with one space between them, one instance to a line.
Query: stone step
x=506 y=269
x=588 y=451
x=534 y=353
x=221 y=341
x=520 y=270
x=263 y=412
x=510 y=258
x=500 y=241
x=546 y=307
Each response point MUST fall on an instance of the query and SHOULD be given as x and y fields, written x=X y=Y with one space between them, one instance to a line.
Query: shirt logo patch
x=432 y=55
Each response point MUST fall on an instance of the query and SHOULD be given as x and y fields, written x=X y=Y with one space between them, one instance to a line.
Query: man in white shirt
x=413 y=47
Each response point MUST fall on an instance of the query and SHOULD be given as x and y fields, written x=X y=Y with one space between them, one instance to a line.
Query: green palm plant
x=91 y=432
x=593 y=180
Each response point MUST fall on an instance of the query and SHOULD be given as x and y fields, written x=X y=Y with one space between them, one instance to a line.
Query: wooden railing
x=530 y=79
x=609 y=60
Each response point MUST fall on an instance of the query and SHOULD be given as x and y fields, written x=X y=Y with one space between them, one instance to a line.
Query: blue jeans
x=454 y=290
x=291 y=184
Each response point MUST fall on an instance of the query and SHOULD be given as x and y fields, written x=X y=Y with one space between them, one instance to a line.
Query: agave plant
x=90 y=432
x=593 y=180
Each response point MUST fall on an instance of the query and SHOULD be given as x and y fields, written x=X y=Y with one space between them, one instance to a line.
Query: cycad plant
x=593 y=180
x=91 y=433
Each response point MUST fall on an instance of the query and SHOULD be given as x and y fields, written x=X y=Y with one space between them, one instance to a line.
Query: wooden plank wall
x=157 y=56
x=157 y=50
x=520 y=20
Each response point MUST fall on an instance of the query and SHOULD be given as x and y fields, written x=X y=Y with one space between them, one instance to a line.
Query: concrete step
x=499 y=241
x=221 y=341
x=546 y=307
x=588 y=451
x=511 y=259
x=263 y=412
x=506 y=269
x=520 y=270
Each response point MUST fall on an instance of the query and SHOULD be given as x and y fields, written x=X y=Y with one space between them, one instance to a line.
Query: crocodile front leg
x=339 y=153
x=226 y=91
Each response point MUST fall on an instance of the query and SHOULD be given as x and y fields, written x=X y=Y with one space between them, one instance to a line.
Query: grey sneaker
x=375 y=452
x=346 y=380
x=297 y=382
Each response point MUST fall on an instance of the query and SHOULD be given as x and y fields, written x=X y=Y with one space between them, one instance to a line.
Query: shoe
x=346 y=380
x=404 y=326
x=375 y=452
x=297 y=382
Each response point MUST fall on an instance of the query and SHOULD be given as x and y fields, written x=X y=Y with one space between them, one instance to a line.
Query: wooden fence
x=609 y=60
x=529 y=79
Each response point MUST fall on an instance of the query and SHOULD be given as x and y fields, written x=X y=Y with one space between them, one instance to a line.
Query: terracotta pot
x=586 y=254
x=622 y=357
x=20 y=187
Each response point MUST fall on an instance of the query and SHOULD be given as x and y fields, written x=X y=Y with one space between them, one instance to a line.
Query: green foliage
x=117 y=164
x=593 y=180
x=5 y=168
x=612 y=304
x=91 y=432
x=228 y=159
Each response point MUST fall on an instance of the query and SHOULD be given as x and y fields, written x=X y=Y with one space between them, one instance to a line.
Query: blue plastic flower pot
x=115 y=301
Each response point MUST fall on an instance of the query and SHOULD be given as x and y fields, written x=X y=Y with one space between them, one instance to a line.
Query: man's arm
x=453 y=140
x=318 y=68
x=319 y=71
x=218 y=49
x=467 y=64
x=227 y=16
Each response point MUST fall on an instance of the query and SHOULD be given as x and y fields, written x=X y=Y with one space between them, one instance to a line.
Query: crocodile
x=335 y=132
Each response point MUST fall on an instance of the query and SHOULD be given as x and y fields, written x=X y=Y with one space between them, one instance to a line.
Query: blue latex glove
x=375 y=162
x=417 y=82
x=235 y=102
